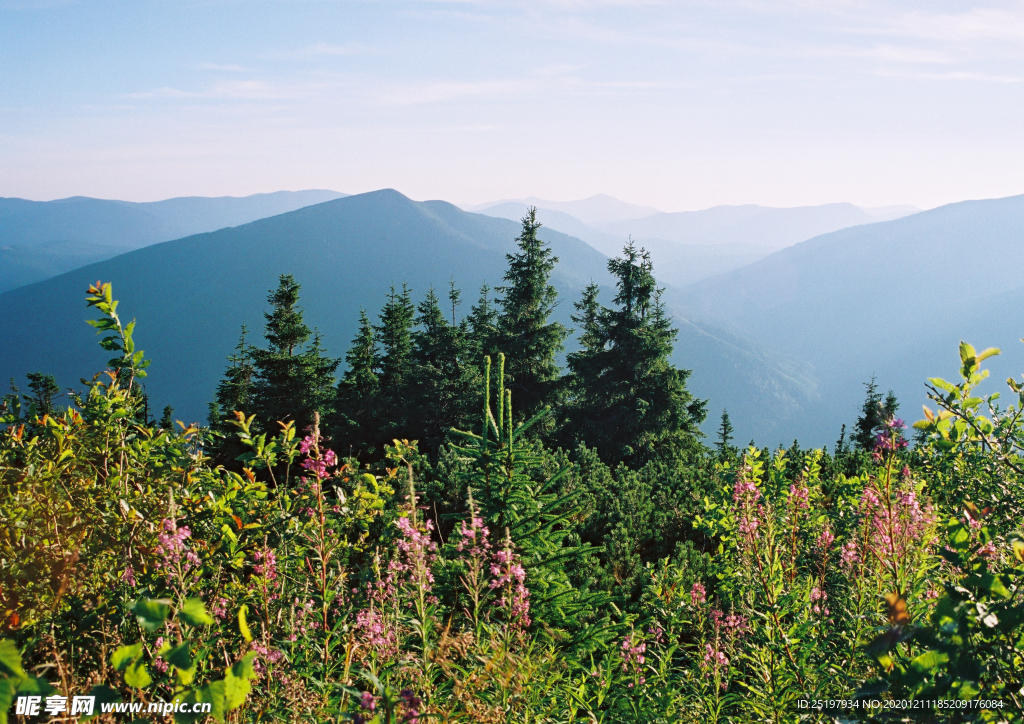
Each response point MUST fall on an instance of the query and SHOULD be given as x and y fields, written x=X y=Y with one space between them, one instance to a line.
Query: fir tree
x=292 y=381
x=43 y=388
x=167 y=419
x=530 y=342
x=235 y=390
x=873 y=415
x=444 y=381
x=356 y=423
x=482 y=327
x=628 y=400
x=395 y=334
x=725 y=431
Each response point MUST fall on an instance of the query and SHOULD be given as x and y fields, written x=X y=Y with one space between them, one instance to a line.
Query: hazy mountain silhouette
x=749 y=224
x=39 y=239
x=593 y=211
x=891 y=298
x=191 y=295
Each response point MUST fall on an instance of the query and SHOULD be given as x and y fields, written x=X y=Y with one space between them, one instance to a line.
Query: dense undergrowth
x=508 y=571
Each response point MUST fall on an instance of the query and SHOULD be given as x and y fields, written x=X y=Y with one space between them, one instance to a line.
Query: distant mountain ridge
x=892 y=299
x=191 y=295
x=41 y=238
x=693 y=245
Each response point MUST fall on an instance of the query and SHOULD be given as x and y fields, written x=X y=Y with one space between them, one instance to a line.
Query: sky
x=678 y=105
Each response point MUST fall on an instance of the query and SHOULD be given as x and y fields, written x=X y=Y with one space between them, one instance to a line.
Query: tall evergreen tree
x=445 y=382
x=44 y=389
x=530 y=341
x=356 y=423
x=481 y=326
x=292 y=380
x=395 y=334
x=873 y=415
x=725 y=431
x=628 y=400
x=235 y=390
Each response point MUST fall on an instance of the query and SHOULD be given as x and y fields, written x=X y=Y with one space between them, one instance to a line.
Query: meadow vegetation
x=458 y=530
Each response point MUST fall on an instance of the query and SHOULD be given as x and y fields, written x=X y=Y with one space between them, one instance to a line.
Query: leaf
x=243 y=668
x=10 y=659
x=137 y=676
x=6 y=698
x=193 y=613
x=151 y=612
x=243 y=626
x=990 y=352
x=959 y=536
x=966 y=352
x=126 y=656
x=942 y=385
x=929 y=660
x=180 y=657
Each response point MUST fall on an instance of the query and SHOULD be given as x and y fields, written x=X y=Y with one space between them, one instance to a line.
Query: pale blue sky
x=680 y=105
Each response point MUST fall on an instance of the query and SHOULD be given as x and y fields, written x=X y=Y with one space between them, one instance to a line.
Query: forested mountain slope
x=191 y=295
x=890 y=299
x=39 y=239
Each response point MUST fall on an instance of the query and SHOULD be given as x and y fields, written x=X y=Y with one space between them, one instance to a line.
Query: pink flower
x=714 y=657
x=824 y=542
x=799 y=497
x=697 y=594
x=129 y=575
x=510 y=576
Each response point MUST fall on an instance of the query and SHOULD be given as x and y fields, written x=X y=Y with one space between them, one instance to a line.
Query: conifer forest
x=476 y=513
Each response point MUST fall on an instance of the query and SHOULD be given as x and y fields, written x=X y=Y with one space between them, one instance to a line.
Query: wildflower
x=473 y=537
x=633 y=657
x=714 y=658
x=799 y=496
x=849 y=557
x=266 y=564
x=368 y=701
x=657 y=634
x=509 y=575
x=375 y=633
x=824 y=542
x=697 y=594
x=129 y=575
x=735 y=624
x=220 y=608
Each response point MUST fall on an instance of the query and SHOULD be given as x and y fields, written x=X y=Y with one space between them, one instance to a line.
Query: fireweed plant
x=290 y=583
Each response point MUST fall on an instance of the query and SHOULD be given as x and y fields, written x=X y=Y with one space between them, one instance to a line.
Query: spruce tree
x=235 y=390
x=292 y=380
x=43 y=388
x=628 y=400
x=725 y=431
x=395 y=334
x=530 y=342
x=873 y=415
x=355 y=424
x=393 y=366
x=481 y=327
x=444 y=379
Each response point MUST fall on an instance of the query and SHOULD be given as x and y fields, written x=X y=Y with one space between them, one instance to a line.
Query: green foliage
x=484 y=577
x=290 y=380
x=628 y=400
x=524 y=332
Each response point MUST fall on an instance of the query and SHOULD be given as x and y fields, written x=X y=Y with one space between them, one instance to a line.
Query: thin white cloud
x=232 y=68
x=234 y=90
x=953 y=76
x=333 y=49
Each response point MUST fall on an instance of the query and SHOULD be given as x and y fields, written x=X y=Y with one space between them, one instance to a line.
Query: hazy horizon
x=681 y=106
